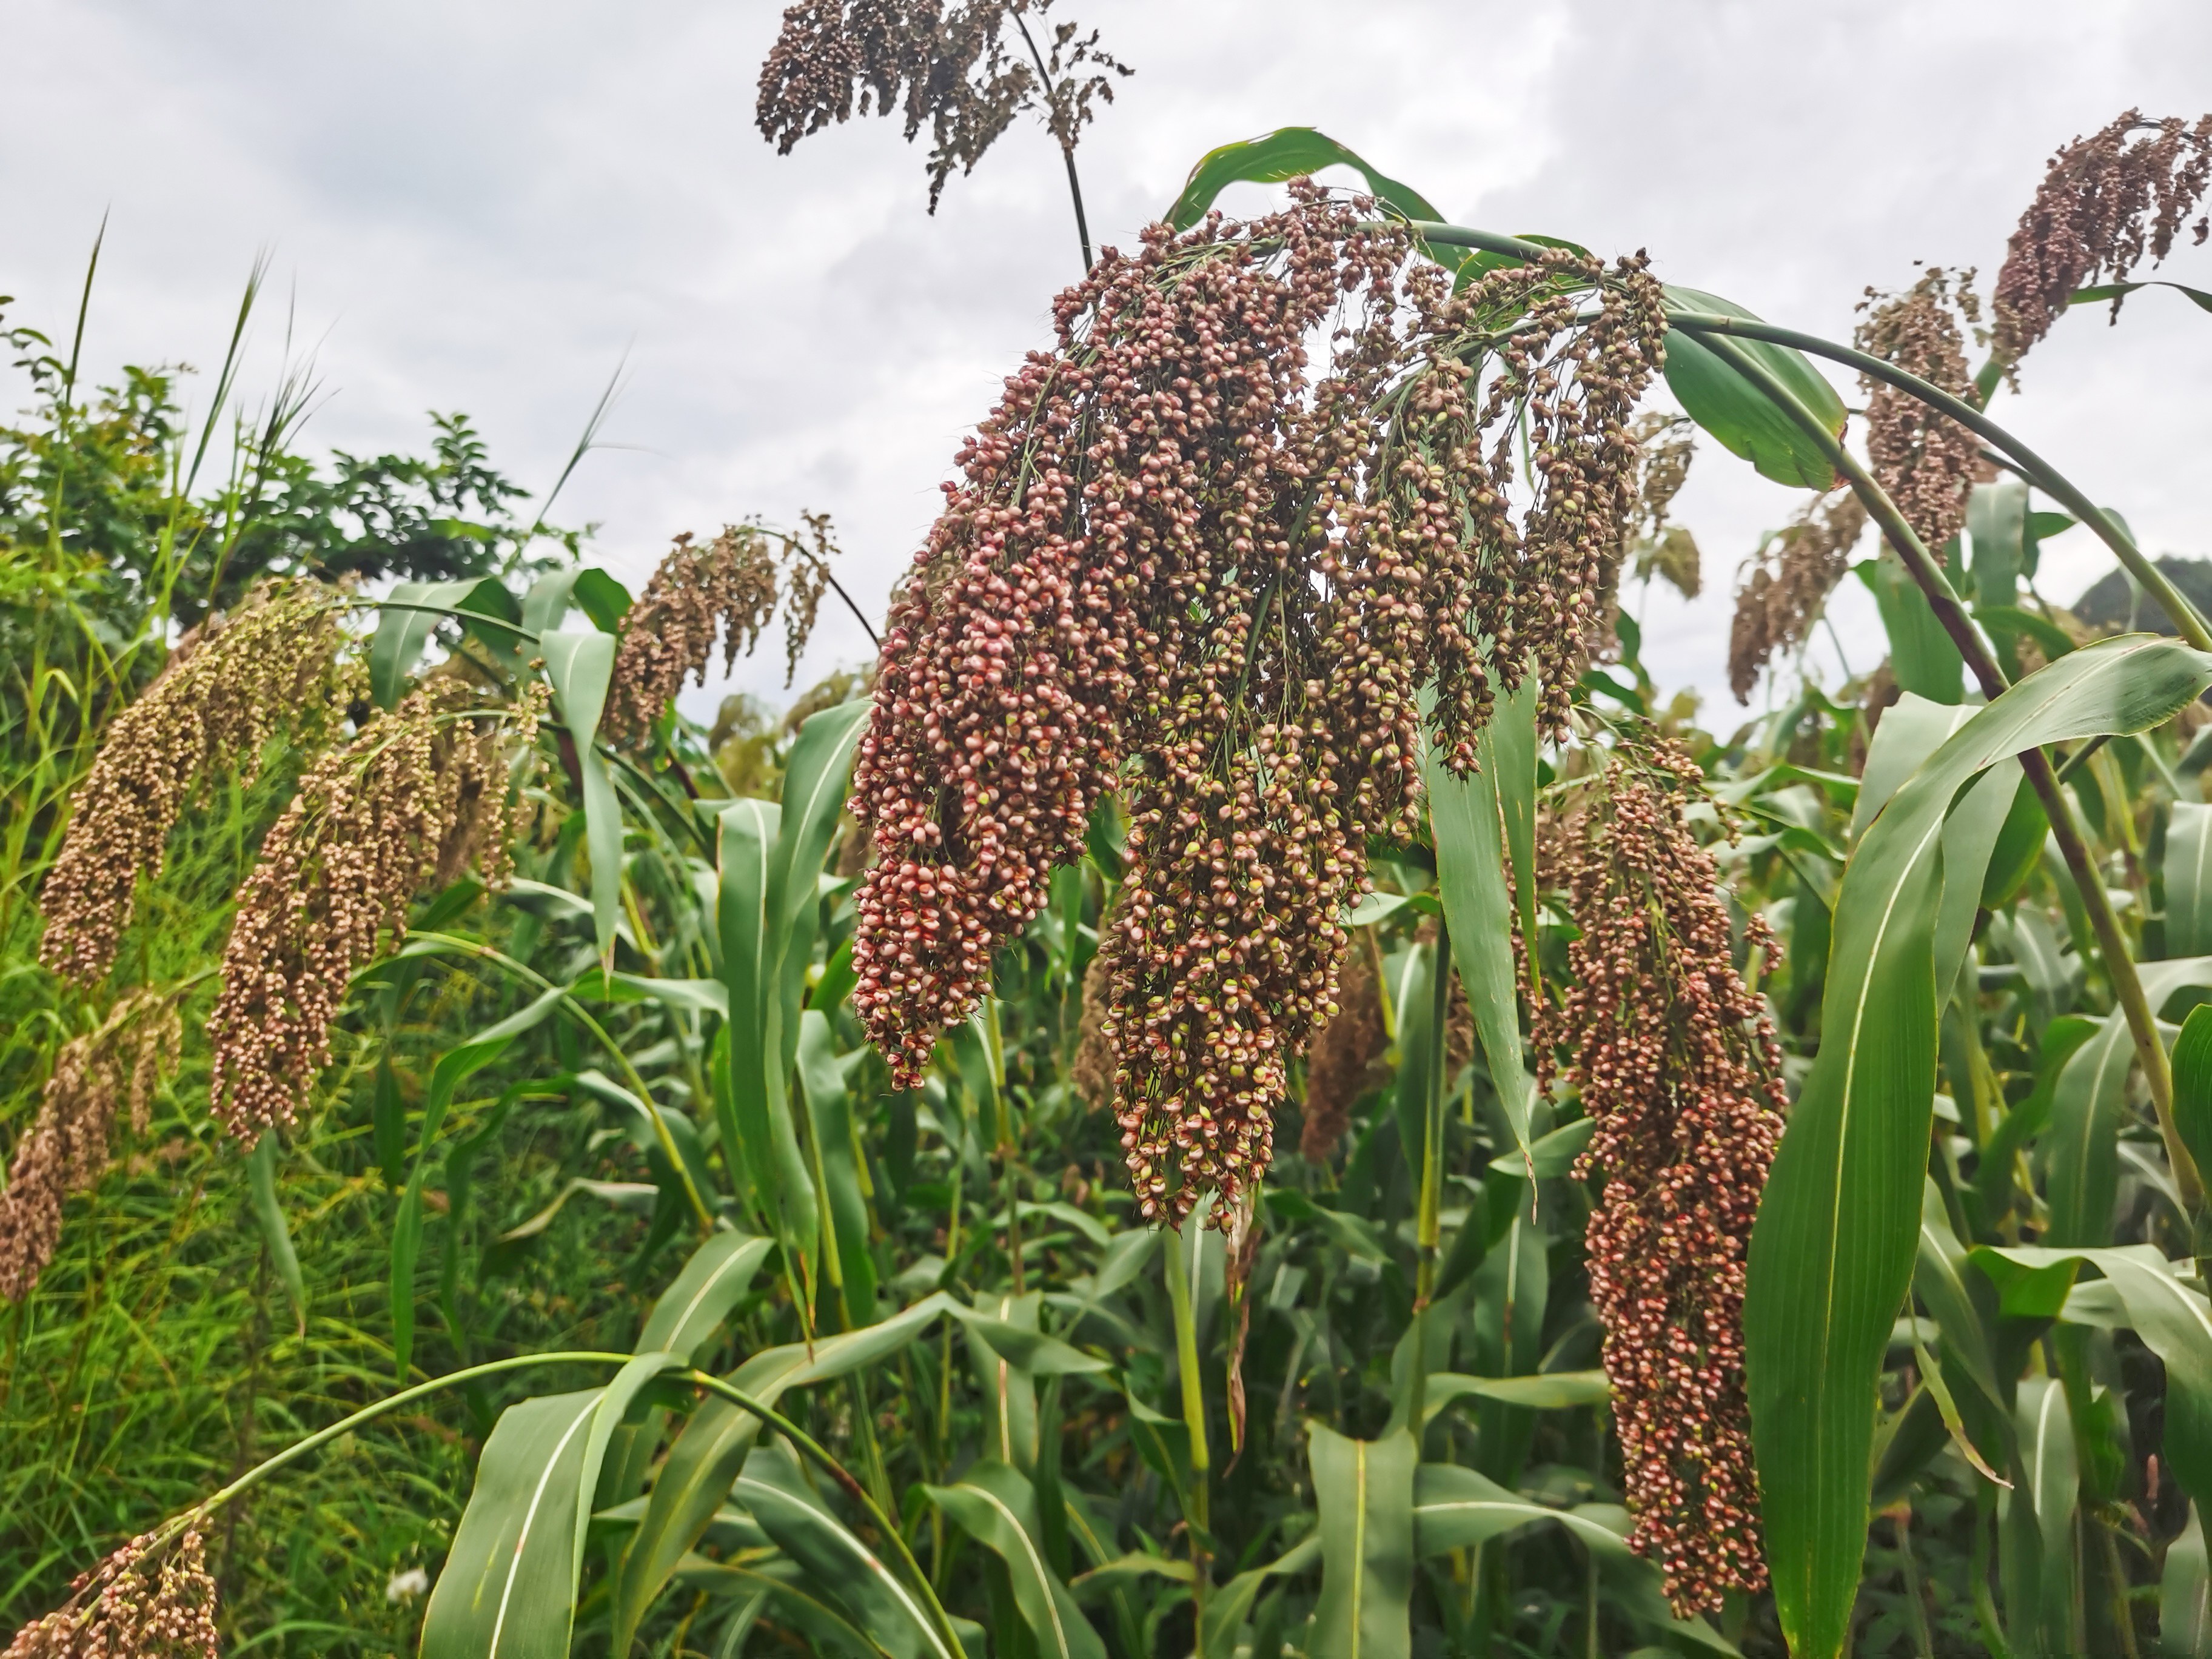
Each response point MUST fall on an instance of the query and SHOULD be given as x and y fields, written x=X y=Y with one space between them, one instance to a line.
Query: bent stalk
x=1943 y=600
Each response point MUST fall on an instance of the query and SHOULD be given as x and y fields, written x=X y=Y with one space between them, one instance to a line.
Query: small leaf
x=2192 y=1085
x=1552 y=1157
x=1285 y=153
x=580 y=666
x=1740 y=414
x=274 y=1233
x=2185 y=1595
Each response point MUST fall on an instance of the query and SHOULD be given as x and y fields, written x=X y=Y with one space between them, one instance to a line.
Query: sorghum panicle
x=420 y=793
x=1179 y=562
x=65 y=1148
x=225 y=692
x=135 y=1605
x=1675 y=1061
x=1926 y=461
x=2106 y=203
x=1791 y=576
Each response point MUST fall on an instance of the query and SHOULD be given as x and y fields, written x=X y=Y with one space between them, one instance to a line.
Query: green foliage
x=949 y=1398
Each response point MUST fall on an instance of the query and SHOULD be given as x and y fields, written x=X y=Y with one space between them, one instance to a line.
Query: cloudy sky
x=486 y=206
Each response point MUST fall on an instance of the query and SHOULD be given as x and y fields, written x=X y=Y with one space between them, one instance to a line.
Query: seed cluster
x=418 y=795
x=1092 y=1070
x=959 y=68
x=1180 y=563
x=2106 y=203
x=229 y=686
x=1676 y=1059
x=725 y=591
x=1926 y=461
x=1791 y=576
x=1660 y=547
x=139 y=1603
x=65 y=1148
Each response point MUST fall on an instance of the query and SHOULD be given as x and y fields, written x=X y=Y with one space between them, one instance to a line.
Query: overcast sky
x=486 y=207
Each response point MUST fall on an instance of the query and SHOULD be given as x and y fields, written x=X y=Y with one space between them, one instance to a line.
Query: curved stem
x=2031 y=466
x=299 y=1449
x=1066 y=150
x=843 y=1477
x=2119 y=966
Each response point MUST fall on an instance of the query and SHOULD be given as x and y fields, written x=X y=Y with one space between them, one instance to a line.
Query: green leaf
x=712 y=1448
x=1997 y=524
x=1285 y=153
x=995 y=1506
x=2174 y=1321
x=2079 y=1149
x=1921 y=653
x=2185 y=1595
x=580 y=666
x=1229 y=1607
x=601 y=597
x=2083 y=297
x=1833 y=1248
x=1736 y=412
x=2189 y=880
x=1365 y=1491
x=847 y=1265
x=1546 y=1391
x=1913 y=728
x=2051 y=1491
x=2009 y=622
x=773 y=1489
x=410 y=616
x=2192 y=1085
x=269 y=1213
x=507 y=1590
x=1455 y=1508
x=755 y=1110
x=689 y=1314
x=454 y=1067
x=1469 y=826
x=1553 y=1156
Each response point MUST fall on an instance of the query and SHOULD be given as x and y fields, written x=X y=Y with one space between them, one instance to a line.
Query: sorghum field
x=1254 y=1087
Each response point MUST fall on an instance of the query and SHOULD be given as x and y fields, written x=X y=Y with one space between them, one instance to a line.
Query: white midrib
x=530 y=1519
x=1037 y=1563
x=1359 y=1544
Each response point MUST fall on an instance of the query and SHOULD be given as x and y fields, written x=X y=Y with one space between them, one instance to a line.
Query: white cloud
x=486 y=206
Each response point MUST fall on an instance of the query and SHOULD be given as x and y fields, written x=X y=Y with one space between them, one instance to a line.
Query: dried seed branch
x=2106 y=203
x=953 y=66
x=1788 y=584
x=725 y=592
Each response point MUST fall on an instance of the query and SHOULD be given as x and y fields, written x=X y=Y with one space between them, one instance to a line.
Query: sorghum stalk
x=1172 y=1245
x=2119 y=965
x=1430 y=1227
